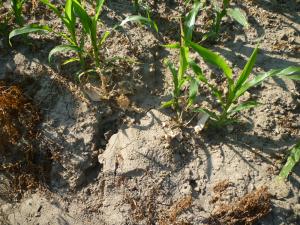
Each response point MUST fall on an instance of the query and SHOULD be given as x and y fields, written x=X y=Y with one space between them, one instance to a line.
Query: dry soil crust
x=118 y=166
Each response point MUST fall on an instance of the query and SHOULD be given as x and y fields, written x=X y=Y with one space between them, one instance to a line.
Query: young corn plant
x=180 y=76
x=229 y=101
x=222 y=11
x=292 y=160
x=17 y=6
x=68 y=19
x=78 y=39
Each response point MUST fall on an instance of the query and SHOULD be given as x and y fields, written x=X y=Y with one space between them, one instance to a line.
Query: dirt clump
x=247 y=210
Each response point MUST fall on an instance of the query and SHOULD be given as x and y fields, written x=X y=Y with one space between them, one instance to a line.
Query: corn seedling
x=79 y=43
x=17 y=6
x=292 y=160
x=220 y=12
x=229 y=101
x=180 y=77
x=67 y=17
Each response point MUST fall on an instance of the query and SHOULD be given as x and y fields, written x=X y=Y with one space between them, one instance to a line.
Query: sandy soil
x=124 y=160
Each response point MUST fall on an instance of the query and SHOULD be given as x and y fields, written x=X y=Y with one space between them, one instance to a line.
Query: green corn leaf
x=98 y=9
x=68 y=9
x=288 y=72
x=28 y=29
x=255 y=81
x=294 y=77
x=198 y=71
x=138 y=19
x=193 y=90
x=167 y=104
x=103 y=38
x=172 y=46
x=62 y=48
x=292 y=72
x=238 y=16
x=213 y=59
x=184 y=58
x=200 y=76
x=189 y=21
x=69 y=20
x=211 y=114
x=74 y=59
x=174 y=75
x=243 y=106
x=83 y=16
x=53 y=8
x=292 y=160
x=246 y=71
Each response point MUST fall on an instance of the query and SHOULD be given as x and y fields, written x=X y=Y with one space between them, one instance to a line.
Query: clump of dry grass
x=247 y=210
x=19 y=159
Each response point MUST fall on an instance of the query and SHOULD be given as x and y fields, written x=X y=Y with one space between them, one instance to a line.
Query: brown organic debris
x=172 y=215
x=248 y=210
x=221 y=186
x=19 y=161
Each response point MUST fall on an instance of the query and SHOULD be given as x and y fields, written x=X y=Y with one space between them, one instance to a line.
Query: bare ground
x=123 y=161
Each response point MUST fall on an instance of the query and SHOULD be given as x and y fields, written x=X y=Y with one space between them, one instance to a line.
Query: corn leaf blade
x=198 y=71
x=83 y=16
x=190 y=20
x=237 y=15
x=62 y=48
x=255 y=81
x=292 y=160
x=247 y=70
x=98 y=9
x=184 y=58
x=28 y=29
x=138 y=19
x=193 y=90
x=243 y=106
x=103 y=38
x=292 y=72
x=213 y=59
x=174 y=76
x=211 y=114
x=53 y=8
x=172 y=46
x=168 y=104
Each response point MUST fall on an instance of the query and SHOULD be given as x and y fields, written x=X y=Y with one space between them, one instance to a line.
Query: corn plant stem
x=80 y=56
x=220 y=16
